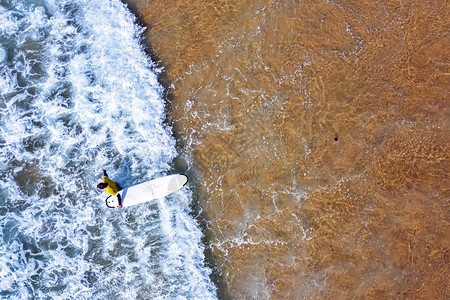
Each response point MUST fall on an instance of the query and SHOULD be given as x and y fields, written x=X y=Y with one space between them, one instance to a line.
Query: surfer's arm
x=104 y=173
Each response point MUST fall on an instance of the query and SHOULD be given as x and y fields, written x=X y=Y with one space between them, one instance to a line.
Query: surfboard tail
x=110 y=202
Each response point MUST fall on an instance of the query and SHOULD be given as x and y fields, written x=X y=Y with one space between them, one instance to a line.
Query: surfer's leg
x=120 y=200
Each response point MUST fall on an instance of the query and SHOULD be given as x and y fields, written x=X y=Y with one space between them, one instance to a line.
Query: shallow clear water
x=78 y=95
x=319 y=130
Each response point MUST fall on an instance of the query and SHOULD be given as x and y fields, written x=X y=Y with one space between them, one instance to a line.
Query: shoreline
x=181 y=162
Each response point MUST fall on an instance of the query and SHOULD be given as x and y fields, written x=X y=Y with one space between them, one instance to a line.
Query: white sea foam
x=79 y=95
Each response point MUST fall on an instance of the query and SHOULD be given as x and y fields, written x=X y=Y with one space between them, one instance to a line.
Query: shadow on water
x=124 y=174
x=179 y=164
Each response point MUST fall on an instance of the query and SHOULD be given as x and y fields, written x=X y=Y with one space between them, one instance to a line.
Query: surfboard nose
x=176 y=182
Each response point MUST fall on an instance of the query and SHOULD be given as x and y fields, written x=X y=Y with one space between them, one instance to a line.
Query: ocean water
x=78 y=95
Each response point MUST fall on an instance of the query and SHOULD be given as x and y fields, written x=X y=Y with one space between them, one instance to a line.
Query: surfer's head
x=102 y=185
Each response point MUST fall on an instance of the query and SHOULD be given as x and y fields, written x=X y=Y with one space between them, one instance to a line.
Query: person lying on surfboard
x=111 y=187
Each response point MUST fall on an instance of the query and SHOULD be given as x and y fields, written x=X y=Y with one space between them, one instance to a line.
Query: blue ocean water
x=78 y=95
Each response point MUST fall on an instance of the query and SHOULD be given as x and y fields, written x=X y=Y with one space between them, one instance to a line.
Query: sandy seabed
x=318 y=133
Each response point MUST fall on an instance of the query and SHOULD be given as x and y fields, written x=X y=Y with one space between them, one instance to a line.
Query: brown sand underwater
x=319 y=136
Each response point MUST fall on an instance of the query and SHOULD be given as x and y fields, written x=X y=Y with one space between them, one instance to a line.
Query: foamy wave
x=78 y=95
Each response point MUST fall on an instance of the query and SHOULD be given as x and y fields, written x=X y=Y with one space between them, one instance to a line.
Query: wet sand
x=318 y=135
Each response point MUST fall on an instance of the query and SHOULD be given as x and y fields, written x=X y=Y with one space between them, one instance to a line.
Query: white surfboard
x=147 y=191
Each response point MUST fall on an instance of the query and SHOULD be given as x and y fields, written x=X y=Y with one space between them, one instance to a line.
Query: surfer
x=111 y=187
